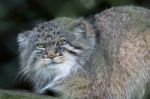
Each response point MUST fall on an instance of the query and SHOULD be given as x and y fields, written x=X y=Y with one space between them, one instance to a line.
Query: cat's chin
x=53 y=65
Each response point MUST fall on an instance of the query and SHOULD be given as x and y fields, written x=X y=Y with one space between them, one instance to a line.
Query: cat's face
x=56 y=45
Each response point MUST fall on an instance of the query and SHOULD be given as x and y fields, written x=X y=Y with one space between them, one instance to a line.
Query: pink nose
x=51 y=54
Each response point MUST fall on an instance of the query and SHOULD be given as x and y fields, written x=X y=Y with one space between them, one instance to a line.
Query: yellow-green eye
x=40 y=45
x=62 y=42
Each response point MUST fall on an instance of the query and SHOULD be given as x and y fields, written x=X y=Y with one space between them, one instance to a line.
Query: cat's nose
x=51 y=54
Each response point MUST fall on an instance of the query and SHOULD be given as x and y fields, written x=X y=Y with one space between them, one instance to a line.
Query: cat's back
x=121 y=25
x=124 y=35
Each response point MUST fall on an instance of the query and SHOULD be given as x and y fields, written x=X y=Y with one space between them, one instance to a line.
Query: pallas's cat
x=104 y=57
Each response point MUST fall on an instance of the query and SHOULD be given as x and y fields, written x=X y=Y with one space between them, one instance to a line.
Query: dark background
x=20 y=15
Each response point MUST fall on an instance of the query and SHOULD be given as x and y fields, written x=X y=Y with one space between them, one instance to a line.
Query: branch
x=11 y=94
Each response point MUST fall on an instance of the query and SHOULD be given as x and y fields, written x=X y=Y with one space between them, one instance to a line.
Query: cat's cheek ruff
x=62 y=71
x=53 y=75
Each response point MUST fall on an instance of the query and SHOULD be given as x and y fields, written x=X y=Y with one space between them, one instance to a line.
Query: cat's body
x=105 y=57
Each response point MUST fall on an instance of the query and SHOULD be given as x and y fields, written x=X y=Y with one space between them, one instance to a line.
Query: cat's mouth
x=53 y=62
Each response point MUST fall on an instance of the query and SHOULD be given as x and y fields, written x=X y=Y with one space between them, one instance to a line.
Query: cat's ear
x=83 y=28
x=23 y=39
x=87 y=28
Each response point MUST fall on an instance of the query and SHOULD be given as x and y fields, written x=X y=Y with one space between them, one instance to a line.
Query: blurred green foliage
x=20 y=15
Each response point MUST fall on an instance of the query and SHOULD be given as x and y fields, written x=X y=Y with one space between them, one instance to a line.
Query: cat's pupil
x=60 y=49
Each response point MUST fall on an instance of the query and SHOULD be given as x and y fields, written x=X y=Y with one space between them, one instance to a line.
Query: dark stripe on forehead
x=45 y=27
x=53 y=34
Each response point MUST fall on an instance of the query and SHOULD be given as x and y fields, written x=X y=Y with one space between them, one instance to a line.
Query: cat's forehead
x=49 y=29
x=57 y=28
x=51 y=34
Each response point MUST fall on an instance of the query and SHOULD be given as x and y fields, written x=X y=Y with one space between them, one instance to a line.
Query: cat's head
x=62 y=44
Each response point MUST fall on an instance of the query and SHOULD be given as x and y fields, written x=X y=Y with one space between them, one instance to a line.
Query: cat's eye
x=40 y=45
x=62 y=42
